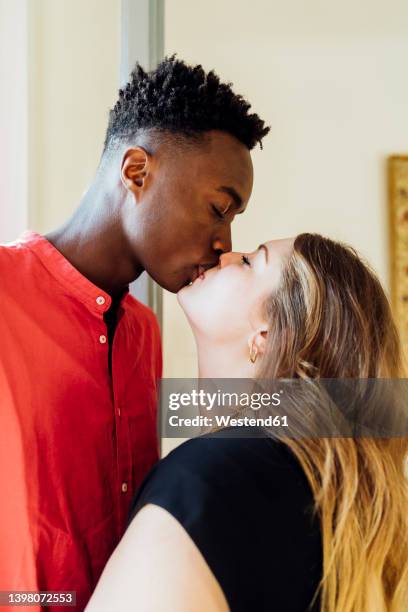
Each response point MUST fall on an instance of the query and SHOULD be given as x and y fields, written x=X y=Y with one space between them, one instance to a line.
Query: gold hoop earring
x=253 y=354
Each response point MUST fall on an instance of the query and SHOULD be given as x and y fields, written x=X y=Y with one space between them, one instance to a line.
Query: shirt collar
x=96 y=300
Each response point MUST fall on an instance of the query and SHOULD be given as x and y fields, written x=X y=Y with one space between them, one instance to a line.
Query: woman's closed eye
x=245 y=260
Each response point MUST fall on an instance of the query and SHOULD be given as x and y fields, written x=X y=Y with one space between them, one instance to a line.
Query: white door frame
x=142 y=40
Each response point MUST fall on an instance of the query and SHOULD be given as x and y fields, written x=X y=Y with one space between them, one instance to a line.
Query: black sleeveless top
x=248 y=507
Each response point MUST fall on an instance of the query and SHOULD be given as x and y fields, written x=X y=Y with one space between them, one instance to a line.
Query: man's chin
x=173 y=285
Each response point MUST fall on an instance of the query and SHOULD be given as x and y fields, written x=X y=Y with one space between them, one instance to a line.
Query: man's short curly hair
x=183 y=100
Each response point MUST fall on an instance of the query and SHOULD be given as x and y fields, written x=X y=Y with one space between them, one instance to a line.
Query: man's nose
x=222 y=242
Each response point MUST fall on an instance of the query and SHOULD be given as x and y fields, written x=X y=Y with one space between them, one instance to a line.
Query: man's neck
x=93 y=241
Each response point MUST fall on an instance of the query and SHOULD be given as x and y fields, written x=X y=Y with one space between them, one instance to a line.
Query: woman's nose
x=227 y=259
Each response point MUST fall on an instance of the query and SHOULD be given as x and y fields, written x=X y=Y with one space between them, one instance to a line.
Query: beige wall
x=74 y=77
x=13 y=119
x=330 y=80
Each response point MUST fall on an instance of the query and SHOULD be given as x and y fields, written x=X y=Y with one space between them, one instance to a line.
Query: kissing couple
x=222 y=523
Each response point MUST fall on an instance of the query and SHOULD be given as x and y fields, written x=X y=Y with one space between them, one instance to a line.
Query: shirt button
x=100 y=300
x=102 y=339
x=124 y=487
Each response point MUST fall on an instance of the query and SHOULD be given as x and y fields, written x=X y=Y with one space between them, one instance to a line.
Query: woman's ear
x=135 y=169
x=257 y=343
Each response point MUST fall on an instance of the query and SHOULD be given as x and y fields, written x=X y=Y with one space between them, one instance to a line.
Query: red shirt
x=75 y=442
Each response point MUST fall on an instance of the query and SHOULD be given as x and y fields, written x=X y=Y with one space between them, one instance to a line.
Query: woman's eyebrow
x=265 y=249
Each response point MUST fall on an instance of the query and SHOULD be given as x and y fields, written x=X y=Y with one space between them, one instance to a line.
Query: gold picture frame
x=398 y=209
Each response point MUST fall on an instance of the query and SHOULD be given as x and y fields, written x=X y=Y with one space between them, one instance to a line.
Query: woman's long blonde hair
x=330 y=318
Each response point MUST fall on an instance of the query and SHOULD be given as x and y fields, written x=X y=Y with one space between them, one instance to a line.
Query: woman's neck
x=223 y=360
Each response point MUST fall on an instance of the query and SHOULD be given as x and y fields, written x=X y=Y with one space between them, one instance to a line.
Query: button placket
x=101 y=301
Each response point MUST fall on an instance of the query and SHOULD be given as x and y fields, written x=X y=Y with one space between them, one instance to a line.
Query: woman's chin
x=181 y=294
x=187 y=292
x=184 y=298
x=191 y=304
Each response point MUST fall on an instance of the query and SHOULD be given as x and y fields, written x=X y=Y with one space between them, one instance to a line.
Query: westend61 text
x=228 y=421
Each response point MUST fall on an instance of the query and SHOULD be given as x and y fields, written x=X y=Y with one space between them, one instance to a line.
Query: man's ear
x=257 y=341
x=135 y=169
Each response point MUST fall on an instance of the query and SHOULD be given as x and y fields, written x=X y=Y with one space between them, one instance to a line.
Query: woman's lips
x=199 y=272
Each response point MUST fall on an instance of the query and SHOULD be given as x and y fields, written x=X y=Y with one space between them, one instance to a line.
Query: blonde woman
x=259 y=524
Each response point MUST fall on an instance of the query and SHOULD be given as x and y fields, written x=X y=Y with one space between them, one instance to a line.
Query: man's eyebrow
x=233 y=193
x=265 y=248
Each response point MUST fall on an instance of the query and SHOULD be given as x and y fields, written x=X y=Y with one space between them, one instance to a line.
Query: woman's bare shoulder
x=157 y=567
